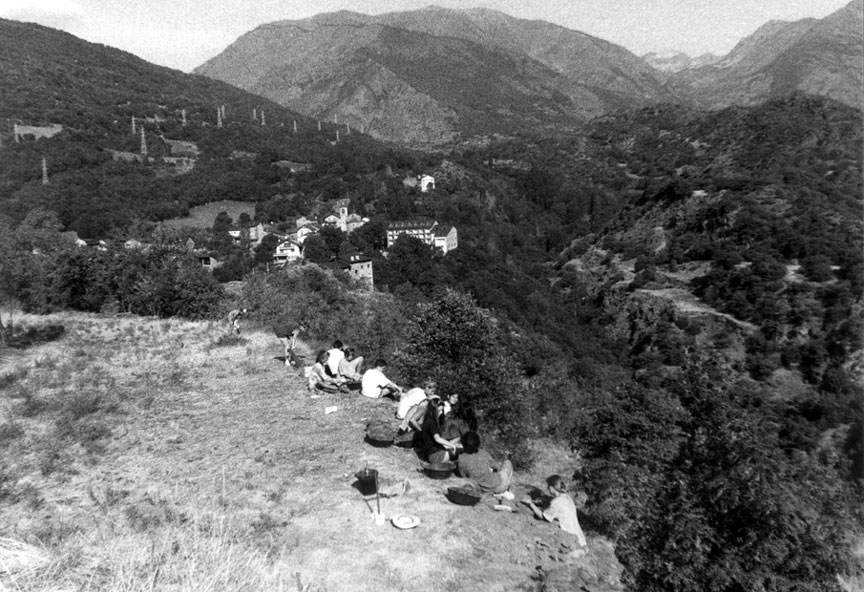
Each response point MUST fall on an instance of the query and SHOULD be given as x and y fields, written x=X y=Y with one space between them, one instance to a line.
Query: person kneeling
x=477 y=464
x=437 y=449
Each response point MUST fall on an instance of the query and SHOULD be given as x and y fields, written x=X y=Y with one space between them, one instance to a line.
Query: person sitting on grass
x=561 y=509
x=478 y=465
x=349 y=366
x=335 y=356
x=318 y=377
x=458 y=419
x=413 y=399
x=375 y=385
x=436 y=448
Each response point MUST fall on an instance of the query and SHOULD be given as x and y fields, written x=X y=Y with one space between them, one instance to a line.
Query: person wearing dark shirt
x=287 y=334
x=437 y=448
x=478 y=465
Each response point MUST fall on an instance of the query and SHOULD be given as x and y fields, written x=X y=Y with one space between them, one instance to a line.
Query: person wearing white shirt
x=413 y=397
x=335 y=356
x=375 y=385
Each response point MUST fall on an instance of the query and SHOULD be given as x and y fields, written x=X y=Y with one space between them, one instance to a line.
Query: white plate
x=404 y=521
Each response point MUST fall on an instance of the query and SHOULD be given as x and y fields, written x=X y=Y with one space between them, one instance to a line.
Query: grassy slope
x=203 y=216
x=221 y=472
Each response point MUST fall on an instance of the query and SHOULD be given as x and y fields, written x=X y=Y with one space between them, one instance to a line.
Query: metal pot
x=439 y=470
x=367 y=481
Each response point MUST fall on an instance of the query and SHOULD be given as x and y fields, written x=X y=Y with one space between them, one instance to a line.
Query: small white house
x=427 y=183
x=287 y=251
x=446 y=238
x=424 y=182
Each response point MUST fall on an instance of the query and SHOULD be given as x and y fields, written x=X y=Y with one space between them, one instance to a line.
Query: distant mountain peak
x=817 y=56
x=431 y=73
x=672 y=60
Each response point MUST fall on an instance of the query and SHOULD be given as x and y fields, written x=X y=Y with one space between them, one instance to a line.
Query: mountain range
x=815 y=56
x=436 y=75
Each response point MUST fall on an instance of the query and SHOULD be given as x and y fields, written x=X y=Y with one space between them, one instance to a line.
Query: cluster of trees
x=43 y=272
x=703 y=490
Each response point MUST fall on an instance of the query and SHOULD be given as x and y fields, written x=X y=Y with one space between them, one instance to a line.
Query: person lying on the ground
x=436 y=448
x=561 y=510
x=287 y=334
x=349 y=366
x=336 y=354
x=318 y=377
x=375 y=385
x=477 y=464
x=413 y=398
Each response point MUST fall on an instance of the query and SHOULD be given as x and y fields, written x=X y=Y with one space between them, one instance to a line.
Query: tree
x=461 y=347
x=316 y=250
x=222 y=222
x=264 y=250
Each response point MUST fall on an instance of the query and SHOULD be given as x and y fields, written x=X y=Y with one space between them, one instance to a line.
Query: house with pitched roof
x=427 y=231
x=287 y=251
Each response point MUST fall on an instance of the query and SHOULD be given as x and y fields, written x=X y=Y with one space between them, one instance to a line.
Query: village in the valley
x=180 y=157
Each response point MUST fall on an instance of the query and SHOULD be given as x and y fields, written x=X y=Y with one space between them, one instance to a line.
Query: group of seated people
x=445 y=430
x=336 y=369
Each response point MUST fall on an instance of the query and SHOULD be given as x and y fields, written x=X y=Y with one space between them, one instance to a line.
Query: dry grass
x=204 y=215
x=143 y=454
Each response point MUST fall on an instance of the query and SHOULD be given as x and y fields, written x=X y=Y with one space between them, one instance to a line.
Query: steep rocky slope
x=816 y=56
x=434 y=74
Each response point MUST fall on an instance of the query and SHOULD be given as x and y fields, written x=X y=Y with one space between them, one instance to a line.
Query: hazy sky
x=183 y=34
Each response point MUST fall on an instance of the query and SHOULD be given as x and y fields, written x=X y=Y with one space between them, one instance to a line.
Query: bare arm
x=448 y=444
x=538 y=513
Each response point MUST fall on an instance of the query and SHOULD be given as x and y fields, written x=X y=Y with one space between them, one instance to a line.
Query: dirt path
x=687 y=303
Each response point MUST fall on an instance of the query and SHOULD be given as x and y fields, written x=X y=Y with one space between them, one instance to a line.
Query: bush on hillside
x=372 y=323
x=462 y=348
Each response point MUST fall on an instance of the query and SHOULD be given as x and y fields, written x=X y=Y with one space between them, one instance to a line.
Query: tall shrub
x=461 y=347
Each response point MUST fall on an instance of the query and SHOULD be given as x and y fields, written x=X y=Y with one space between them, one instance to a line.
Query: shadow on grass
x=24 y=337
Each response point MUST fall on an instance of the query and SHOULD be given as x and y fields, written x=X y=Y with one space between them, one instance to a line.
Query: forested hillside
x=49 y=77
